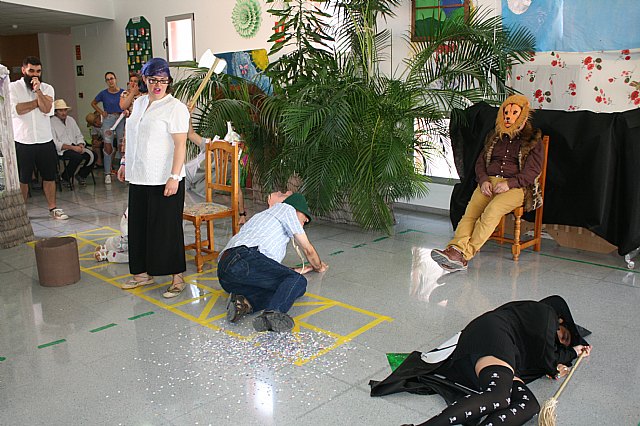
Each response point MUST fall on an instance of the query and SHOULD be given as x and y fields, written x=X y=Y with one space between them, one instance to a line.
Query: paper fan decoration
x=246 y=17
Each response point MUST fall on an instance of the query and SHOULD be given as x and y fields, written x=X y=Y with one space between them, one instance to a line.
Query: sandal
x=175 y=288
x=100 y=253
x=143 y=279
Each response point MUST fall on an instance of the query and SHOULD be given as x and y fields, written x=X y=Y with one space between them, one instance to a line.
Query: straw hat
x=60 y=104
x=91 y=117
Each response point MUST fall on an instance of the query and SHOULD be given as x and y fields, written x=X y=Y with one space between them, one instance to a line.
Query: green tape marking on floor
x=380 y=239
x=359 y=245
x=104 y=327
x=336 y=252
x=52 y=343
x=591 y=263
x=2 y=358
x=141 y=315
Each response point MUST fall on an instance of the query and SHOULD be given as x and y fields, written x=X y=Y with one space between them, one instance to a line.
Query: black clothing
x=75 y=158
x=521 y=333
x=156 y=239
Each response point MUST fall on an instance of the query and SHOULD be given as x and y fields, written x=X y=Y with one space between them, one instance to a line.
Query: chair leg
x=198 y=245
x=515 y=248
x=210 y=235
x=537 y=230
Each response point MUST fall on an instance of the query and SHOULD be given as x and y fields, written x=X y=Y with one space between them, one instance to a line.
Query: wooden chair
x=223 y=158
x=516 y=245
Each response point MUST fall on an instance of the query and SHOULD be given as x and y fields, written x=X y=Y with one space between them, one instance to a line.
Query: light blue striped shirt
x=270 y=231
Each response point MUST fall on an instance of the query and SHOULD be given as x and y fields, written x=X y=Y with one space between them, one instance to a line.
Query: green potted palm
x=350 y=134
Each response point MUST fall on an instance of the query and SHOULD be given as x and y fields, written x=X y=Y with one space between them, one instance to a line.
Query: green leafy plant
x=351 y=134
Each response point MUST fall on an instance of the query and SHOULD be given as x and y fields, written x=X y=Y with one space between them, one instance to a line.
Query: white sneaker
x=58 y=214
x=107 y=179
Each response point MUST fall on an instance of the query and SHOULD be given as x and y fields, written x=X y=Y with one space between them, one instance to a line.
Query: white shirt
x=270 y=231
x=35 y=126
x=67 y=133
x=150 y=146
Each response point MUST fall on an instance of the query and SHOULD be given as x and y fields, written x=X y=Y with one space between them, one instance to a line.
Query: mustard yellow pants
x=482 y=216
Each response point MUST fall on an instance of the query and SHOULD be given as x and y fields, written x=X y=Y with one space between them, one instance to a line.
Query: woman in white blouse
x=154 y=167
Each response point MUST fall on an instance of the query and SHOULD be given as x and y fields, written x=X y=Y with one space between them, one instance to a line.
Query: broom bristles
x=547 y=416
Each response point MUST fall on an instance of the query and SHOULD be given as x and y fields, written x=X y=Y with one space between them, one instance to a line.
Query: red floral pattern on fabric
x=606 y=81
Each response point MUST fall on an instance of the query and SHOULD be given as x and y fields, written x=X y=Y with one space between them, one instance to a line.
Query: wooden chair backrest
x=545 y=158
x=221 y=170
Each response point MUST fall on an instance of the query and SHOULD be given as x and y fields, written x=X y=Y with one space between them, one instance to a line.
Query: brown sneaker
x=450 y=259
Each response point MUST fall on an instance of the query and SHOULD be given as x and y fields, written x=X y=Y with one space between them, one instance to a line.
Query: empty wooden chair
x=221 y=170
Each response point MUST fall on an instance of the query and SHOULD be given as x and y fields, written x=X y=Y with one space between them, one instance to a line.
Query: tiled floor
x=92 y=354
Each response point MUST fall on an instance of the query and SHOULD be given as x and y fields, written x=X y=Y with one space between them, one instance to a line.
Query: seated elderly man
x=70 y=143
x=249 y=267
x=507 y=171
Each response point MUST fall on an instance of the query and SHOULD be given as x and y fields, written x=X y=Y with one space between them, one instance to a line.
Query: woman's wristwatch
x=177 y=178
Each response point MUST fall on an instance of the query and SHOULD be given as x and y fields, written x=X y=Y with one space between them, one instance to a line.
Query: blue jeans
x=267 y=284
x=110 y=136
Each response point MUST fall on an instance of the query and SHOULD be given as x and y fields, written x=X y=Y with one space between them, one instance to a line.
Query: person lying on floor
x=507 y=171
x=249 y=267
x=495 y=355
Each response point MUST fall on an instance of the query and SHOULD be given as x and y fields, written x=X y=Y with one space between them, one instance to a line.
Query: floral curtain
x=605 y=81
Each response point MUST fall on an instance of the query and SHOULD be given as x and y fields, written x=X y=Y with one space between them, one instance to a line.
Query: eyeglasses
x=153 y=80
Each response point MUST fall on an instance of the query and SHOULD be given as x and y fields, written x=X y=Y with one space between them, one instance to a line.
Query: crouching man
x=249 y=267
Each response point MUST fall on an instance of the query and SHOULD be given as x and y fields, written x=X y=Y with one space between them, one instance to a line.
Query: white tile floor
x=176 y=366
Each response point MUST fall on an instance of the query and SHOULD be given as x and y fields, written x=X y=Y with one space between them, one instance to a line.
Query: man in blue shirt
x=249 y=267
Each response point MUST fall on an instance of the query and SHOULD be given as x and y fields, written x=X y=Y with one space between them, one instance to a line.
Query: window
x=180 y=39
x=428 y=15
x=433 y=154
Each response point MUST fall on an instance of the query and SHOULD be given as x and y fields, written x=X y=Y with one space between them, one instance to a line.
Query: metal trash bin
x=58 y=261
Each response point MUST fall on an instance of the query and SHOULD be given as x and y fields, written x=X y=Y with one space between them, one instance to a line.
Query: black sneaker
x=82 y=181
x=273 y=321
x=237 y=307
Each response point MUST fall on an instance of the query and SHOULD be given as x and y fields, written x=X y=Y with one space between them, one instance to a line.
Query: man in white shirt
x=70 y=143
x=32 y=103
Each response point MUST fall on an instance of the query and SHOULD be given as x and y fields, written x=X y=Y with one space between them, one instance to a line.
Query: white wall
x=101 y=9
x=56 y=54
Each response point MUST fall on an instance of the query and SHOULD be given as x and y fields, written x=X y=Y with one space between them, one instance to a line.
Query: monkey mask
x=512 y=115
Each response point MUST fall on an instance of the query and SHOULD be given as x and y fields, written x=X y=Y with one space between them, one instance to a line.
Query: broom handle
x=566 y=381
x=206 y=78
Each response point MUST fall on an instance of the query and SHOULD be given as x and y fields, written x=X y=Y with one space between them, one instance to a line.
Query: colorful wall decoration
x=247 y=17
x=249 y=65
x=138 y=43
x=428 y=15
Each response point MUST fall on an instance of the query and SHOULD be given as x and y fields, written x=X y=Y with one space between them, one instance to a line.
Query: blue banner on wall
x=576 y=25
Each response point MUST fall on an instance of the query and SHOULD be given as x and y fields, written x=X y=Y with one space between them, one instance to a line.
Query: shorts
x=40 y=156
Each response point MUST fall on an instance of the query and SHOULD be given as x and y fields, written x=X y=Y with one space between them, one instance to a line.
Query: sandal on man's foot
x=175 y=289
x=137 y=281
x=237 y=307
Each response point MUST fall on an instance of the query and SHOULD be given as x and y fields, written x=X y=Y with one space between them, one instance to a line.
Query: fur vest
x=530 y=137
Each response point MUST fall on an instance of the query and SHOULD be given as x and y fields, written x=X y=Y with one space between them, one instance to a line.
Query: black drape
x=593 y=172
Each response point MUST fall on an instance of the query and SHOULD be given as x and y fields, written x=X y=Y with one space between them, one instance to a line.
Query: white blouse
x=150 y=146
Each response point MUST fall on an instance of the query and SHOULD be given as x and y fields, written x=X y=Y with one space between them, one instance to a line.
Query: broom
x=547 y=416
